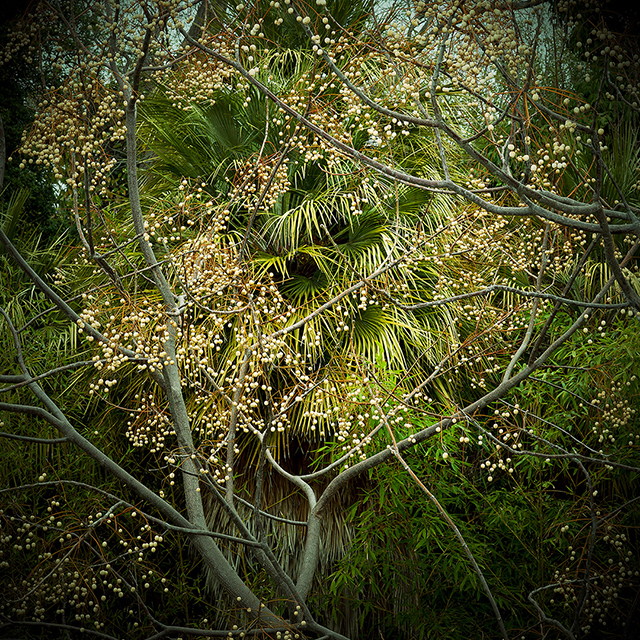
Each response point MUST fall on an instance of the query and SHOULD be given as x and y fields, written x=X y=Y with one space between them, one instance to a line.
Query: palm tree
x=325 y=228
x=253 y=214
x=319 y=231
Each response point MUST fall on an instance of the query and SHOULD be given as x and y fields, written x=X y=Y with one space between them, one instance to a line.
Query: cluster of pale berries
x=198 y=78
x=62 y=583
x=607 y=581
x=470 y=34
x=616 y=412
x=70 y=136
x=261 y=182
x=149 y=424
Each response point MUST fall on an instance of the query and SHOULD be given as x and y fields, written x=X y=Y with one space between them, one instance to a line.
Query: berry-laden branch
x=305 y=240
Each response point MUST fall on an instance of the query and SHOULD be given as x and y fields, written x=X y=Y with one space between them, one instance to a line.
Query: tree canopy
x=341 y=338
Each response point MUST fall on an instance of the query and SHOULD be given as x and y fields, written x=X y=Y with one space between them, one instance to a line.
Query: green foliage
x=17 y=87
x=276 y=224
x=406 y=574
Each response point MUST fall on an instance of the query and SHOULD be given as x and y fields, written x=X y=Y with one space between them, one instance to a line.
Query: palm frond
x=10 y=217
